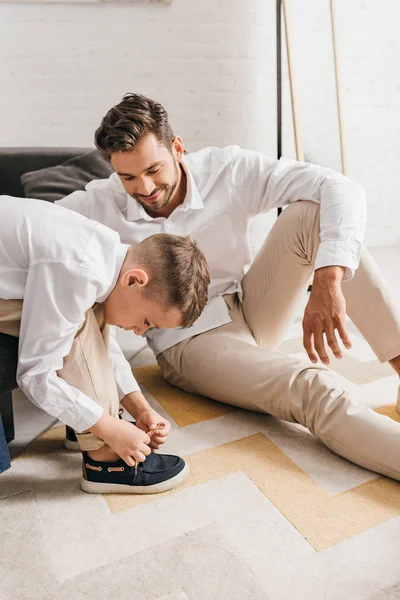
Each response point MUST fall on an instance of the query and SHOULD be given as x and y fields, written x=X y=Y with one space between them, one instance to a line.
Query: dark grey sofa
x=13 y=163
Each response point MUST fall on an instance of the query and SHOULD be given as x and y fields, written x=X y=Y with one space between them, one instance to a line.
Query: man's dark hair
x=129 y=121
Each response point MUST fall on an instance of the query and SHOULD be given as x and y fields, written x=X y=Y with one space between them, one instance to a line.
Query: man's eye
x=153 y=171
x=128 y=178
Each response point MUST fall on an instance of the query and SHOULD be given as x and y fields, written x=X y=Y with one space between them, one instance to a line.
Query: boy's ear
x=135 y=276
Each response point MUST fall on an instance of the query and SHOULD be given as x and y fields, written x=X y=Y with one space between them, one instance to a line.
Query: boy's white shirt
x=60 y=264
x=225 y=189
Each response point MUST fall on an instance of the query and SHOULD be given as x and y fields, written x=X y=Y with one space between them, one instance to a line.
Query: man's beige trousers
x=87 y=367
x=237 y=363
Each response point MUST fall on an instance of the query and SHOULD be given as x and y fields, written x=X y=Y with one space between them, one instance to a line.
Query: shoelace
x=149 y=433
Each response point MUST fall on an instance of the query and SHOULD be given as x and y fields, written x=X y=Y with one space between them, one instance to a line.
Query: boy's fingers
x=158 y=439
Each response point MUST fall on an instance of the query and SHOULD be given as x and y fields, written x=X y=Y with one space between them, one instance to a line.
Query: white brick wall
x=211 y=63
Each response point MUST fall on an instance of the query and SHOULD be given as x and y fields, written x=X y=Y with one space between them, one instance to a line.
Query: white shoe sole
x=69 y=445
x=94 y=487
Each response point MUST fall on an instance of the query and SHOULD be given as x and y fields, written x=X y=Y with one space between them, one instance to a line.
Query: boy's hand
x=149 y=420
x=129 y=442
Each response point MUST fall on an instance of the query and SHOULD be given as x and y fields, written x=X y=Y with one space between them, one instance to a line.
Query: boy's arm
x=57 y=296
x=126 y=383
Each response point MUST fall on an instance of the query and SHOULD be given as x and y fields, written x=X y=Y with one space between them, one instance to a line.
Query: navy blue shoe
x=158 y=473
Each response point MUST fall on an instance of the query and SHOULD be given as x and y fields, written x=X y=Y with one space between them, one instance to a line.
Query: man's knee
x=303 y=209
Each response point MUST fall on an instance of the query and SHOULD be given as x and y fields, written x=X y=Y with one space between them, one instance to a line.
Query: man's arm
x=265 y=183
x=325 y=312
x=269 y=183
x=77 y=201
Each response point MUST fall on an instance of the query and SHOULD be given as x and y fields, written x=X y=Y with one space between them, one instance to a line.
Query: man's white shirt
x=226 y=188
x=60 y=264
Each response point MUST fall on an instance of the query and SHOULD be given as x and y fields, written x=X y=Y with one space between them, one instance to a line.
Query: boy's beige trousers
x=88 y=365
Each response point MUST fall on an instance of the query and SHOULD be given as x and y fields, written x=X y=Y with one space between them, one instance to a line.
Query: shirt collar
x=192 y=201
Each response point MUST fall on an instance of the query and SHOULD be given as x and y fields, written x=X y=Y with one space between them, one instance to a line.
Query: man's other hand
x=325 y=315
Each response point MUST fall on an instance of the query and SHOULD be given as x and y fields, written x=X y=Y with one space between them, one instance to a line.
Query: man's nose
x=146 y=187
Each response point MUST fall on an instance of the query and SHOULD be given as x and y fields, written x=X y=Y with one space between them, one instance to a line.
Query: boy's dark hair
x=129 y=121
x=178 y=273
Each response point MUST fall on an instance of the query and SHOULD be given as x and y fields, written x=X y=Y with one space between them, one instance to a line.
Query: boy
x=63 y=280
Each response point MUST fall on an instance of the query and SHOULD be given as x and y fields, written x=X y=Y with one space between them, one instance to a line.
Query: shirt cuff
x=83 y=414
x=342 y=254
x=126 y=383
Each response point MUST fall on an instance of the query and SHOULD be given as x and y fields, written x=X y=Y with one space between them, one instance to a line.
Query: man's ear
x=178 y=148
x=135 y=276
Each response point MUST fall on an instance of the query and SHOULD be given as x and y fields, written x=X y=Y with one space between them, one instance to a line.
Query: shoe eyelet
x=93 y=468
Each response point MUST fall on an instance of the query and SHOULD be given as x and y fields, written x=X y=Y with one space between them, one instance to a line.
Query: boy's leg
x=88 y=368
x=10 y=316
x=88 y=365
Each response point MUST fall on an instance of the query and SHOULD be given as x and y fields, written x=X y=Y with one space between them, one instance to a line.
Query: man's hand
x=325 y=312
x=129 y=442
x=147 y=419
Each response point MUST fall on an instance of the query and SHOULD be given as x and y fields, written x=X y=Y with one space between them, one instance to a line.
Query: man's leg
x=226 y=364
x=275 y=284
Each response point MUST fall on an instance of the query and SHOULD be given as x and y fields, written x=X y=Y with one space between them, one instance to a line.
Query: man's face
x=130 y=309
x=149 y=173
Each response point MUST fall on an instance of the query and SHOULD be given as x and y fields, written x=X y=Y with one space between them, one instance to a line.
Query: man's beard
x=170 y=189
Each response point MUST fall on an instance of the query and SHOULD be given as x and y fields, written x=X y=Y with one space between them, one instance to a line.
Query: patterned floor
x=268 y=513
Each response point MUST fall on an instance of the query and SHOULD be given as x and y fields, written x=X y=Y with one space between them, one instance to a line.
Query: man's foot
x=158 y=473
x=70 y=441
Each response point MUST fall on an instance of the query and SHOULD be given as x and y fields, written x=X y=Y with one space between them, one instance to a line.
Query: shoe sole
x=94 y=487
x=69 y=445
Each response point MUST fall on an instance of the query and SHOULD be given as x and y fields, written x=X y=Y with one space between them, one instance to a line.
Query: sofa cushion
x=56 y=182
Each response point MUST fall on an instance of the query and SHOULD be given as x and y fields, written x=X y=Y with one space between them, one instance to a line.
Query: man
x=63 y=280
x=229 y=354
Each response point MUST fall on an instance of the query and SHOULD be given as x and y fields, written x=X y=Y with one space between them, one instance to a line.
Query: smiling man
x=229 y=353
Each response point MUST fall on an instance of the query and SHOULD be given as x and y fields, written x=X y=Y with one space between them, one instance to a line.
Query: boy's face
x=150 y=173
x=129 y=308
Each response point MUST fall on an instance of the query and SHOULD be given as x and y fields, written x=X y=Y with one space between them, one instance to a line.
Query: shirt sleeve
x=264 y=183
x=126 y=383
x=77 y=201
x=57 y=295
